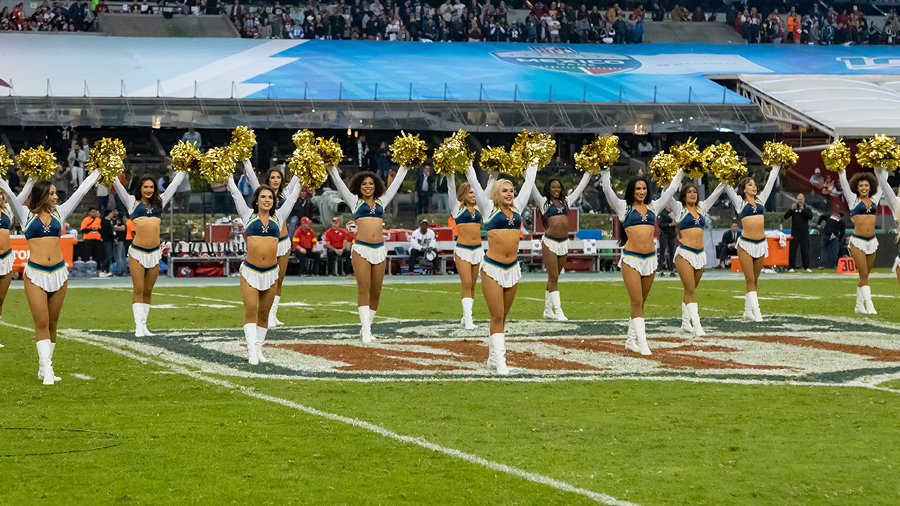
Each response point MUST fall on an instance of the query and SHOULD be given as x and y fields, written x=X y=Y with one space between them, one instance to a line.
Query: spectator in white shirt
x=422 y=242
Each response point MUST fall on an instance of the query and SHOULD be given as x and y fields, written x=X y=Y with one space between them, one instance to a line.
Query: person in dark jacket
x=832 y=238
x=800 y=215
x=667 y=236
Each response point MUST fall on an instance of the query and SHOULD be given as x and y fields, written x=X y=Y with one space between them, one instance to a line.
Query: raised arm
x=770 y=183
x=736 y=199
x=394 y=188
x=18 y=209
x=295 y=181
x=670 y=190
x=285 y=210
x=451 y=195
x=251 y=175
x=713 y=198
x=525 y=192
x=615 y=203
x=123 y=194
x=492 y=178
x=576 y=193
x=243 y=209
x=349 y=198
x=173 y=187
x=849 y=196
x=68 y=206
x=481 y=197
x=26 y=190
x=884 y=186
x=539 y=199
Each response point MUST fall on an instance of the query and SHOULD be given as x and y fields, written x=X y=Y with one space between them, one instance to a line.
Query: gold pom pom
x=689 y=158
x=217 y=165
x=307 y=164
x=107 y=156
x=599 y=155
x=498 y=160
x=303 y=137
x=724 y=163
x=779 y=154
x=408 y=151
x=663 y=167
x=836 y=156
x=533 y=148
x=453 y=155
x=330 y=151
x=37 y=162
x=5 y=161
x=878 y=152
x=243 y=140
x=185 y=157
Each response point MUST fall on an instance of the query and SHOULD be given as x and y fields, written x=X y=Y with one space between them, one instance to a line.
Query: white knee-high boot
x=45 y=358
x=260 y=340
x=365 y=324
x=860 y=301
x=867 y=297
x=371 y=321
x=138 y=310
x=145 y=314
x=686 y=319
x=748 y=307
x=694 y=314
x=754 y=306
x=250 y=338
x=40 y=371
x=557 y=306
x=273 y=313
x=499 y=348
x=641 y=333
x=467 y=303
x=631 y=338
x=548 y=307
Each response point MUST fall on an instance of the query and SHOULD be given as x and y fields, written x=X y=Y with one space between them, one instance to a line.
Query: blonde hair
x=463 y=192
x=495 y=190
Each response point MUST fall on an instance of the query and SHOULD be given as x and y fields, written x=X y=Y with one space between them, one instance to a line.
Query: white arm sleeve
x=172 y=188
x=615 y=203
x=885 y=187
x=394 y=188
x=576 y=193
x=492 y=178
x=251 y=175
x=243 y=209
x=736 y=199
x=524 y=195
x=676 y=207
x=349 y=198
x=20 y=211
x=451 y=195
x=294 y=182
x=674 y=185
x=66 y=208
x=539 y=199
x=849 y=196
x=26 y=190
x=481 y=197
x=770 y=183
x=124 y=196
x=284 y=211
x=713 y=198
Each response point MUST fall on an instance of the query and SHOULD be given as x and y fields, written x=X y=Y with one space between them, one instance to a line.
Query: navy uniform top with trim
x=5 y=220
x=141 y=210
x=255 y=227
x=363 y=210
x=862 y=209
x=634 y=217
x=687 y=220
x=748 y=209
x=498 y=220
x=857 y=206
x=550 y=209
x=466 y=216
x=35 y=228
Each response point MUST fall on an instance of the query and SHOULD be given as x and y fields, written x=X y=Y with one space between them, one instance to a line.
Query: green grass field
x=178 y=432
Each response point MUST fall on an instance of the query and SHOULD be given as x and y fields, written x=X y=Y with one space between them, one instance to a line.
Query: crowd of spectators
x=47 y=17
x=819 y=26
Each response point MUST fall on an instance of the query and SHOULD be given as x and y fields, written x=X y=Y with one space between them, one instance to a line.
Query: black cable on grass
x=117 y=442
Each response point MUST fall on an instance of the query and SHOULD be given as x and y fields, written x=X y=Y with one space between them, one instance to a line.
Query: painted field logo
x=566 y=59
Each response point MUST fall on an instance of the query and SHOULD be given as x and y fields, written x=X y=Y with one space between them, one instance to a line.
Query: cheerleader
x=690 y=255
x=275 y=180
x=752 y=247
x=882 y=175
x=259 y=271
x=368 y=198
x=468 y=252
x=6 y=253
x=862 y=193
x=638 y=261
x=145 y=211
x=501 y=262
x=46 y=275
x=555 y=243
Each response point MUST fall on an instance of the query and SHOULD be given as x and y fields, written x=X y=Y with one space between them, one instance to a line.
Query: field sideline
x=183 y=419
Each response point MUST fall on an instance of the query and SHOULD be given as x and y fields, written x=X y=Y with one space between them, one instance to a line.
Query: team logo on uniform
x=566 y=59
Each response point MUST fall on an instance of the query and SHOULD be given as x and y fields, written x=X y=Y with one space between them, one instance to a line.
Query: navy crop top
x=5 y=220
x=364 y=211
x=862 y=208
x=498 y=220
x=466 y=216
x=634 y=217
x=550 y=209
x=752 y=210
x=140 y=210
x=35 y=228
x=255 y=227
x=687 y=220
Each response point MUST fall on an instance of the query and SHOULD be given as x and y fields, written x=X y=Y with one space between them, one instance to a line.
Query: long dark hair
x=255 y=201
x=743 y=184
x=546 y=194
x=357 y=180
x=629 y=201
x=280 y=192
x=39 y=199
x=682 y=197
x=155 y=199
